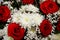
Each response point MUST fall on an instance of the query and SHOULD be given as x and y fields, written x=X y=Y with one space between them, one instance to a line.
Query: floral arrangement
x=29 y=20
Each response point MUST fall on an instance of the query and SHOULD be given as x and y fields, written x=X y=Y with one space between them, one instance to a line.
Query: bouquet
x=29 y=20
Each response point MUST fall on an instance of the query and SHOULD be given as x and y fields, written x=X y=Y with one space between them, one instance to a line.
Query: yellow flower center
x=26 y=19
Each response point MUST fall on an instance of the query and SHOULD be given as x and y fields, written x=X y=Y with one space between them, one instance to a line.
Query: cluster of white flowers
x=27 y=19
x=32 y=33
x=29 y=7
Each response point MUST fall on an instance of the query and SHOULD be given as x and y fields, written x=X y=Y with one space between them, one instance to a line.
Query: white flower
x=7 y=38
x=5 y=29
x=32 y=8
x=29 y=7
x=16 y=17
x=37 y=18
x=23 y=8
x=1 y=32
x=58 y=1
x=25 y=20
x=31 y=33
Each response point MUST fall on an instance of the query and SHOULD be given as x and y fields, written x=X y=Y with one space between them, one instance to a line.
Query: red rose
x=45 y=28
x=48 y=7
x=4 y=13
x=27 y=1
x=15 y=31
x=58 y=26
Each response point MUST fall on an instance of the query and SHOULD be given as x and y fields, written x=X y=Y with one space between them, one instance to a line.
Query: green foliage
x=2 y=25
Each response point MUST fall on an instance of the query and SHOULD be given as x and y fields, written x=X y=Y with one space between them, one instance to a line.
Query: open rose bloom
x=30 y=20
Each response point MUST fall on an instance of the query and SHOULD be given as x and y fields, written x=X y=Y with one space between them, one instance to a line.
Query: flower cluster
x=29 y=21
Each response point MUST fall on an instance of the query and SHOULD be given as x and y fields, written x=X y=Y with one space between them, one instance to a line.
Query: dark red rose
x=58 y=26
x=45 y=28
x=48 y=7
x=4 y=13
x=15 y=31
x=27 y=1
